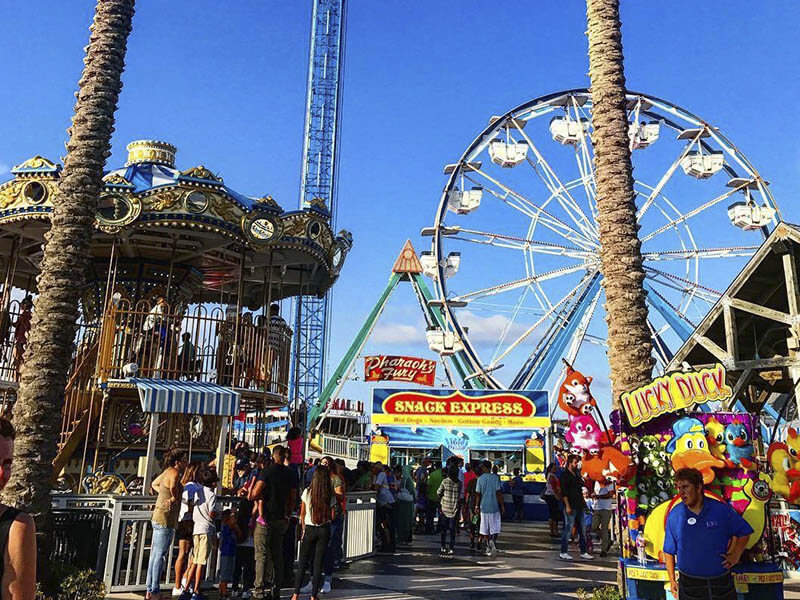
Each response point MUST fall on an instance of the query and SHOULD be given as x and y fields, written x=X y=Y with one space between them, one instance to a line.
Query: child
x=203 y=515
x=227 y=551
x=587 y=518
x=244 y=571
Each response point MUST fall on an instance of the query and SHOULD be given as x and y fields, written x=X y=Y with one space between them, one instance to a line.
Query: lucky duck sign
x=674 y=392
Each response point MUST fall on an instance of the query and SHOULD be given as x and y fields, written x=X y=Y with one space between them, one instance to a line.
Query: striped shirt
x=449 y=494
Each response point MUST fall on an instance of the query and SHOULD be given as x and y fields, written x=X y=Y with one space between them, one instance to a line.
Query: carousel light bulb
x=116 y=297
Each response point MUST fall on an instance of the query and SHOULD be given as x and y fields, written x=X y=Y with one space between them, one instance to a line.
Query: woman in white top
x=316 y=513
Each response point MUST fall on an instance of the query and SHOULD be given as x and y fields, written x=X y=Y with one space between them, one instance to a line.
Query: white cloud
x=488 y=330
x=482 y=330
x=398 y=334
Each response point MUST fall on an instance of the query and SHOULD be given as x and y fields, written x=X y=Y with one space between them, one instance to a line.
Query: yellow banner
x=227 y=470
x=674 y=392
x=459 y=420
x=774 y=577
x=646 y=574
x=739 y=578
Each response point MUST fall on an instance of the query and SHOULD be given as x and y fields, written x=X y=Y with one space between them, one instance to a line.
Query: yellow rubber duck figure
x=759 y=493
x=715 y=434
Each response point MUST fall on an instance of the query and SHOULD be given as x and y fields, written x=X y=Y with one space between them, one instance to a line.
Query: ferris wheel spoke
x=703 y=253
x=502 y=240
x=558 y=190
x=666 y=177
x=571 y=295
x=509 y=324
x=583 y=156
x=683 y=285
x=693 y=213
x=668 y=311
x=513 y=285
x=533 y=211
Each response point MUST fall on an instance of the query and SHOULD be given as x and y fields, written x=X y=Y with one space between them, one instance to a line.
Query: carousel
x=180 y=328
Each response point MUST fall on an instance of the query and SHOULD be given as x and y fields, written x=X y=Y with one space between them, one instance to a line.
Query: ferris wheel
x=515 y=249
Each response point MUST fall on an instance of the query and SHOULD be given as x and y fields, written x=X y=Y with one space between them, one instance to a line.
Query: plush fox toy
x=574 y=396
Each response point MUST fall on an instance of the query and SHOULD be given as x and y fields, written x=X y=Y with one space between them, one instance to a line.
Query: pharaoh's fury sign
x=399 y=368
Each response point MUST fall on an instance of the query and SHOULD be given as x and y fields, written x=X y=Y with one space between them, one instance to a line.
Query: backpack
x=556 y=485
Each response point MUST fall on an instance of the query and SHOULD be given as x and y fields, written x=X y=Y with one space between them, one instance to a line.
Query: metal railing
x=203 y=343
x=112 y=535
x=345 y=448
x=358 y=537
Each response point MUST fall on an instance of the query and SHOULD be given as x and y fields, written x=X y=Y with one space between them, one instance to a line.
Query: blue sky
x=228 y=88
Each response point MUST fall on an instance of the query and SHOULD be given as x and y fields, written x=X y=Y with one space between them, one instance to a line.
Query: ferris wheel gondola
x=518 y=217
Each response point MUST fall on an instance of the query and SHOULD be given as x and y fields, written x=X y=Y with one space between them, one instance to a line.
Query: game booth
x=507 y=428
x=667 y=425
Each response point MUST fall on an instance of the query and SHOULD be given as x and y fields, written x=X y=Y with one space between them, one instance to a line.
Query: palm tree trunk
x=37 y=412
x=629 y=340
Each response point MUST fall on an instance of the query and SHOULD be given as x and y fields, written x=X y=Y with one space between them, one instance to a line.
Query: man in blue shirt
x=489 y=500
x=706 y=538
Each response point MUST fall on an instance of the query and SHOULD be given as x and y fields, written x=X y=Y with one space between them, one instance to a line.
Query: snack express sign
x=460 y=408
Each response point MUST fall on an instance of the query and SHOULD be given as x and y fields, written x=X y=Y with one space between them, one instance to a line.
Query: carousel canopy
x=155 y=221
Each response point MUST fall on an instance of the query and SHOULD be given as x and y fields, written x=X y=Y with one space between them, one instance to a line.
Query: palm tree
x=37 y=412
x=629 y=340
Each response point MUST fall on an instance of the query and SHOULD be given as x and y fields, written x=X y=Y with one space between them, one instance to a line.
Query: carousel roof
x=151 y=210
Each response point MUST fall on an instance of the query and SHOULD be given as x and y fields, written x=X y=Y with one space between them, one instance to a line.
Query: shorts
x=225 y=572
x=490 y=523
x=183 y=532
x=202 y=549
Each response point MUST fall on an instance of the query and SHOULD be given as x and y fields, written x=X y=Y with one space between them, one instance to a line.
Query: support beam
x=743 y=380
x=342 y=371
x=758 y=310
x=731 y=341
x=765 y=363
x=150 y=456
x=223 y=437
x=713 y=348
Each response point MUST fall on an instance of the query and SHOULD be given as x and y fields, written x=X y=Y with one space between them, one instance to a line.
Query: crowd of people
x=282 y=501
x=254 y=537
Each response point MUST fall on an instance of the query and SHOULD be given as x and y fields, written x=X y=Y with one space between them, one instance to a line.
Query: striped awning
x=186 y=397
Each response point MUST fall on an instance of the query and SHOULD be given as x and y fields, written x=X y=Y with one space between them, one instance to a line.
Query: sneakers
x=246 y=595
x=492 y=546
x=450 y=551
x=326 y=587
x=587 y=556
x=198 y=596
x=176 y=592
x=442 y=550
x=185 y=595
x=565 y=556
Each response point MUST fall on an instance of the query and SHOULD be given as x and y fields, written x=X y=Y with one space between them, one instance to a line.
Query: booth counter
x=758 y=581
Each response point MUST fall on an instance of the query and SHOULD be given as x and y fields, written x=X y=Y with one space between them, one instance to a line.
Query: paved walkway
x=529 y=569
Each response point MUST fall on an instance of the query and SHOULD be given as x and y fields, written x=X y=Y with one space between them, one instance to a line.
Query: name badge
x=691 y=521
